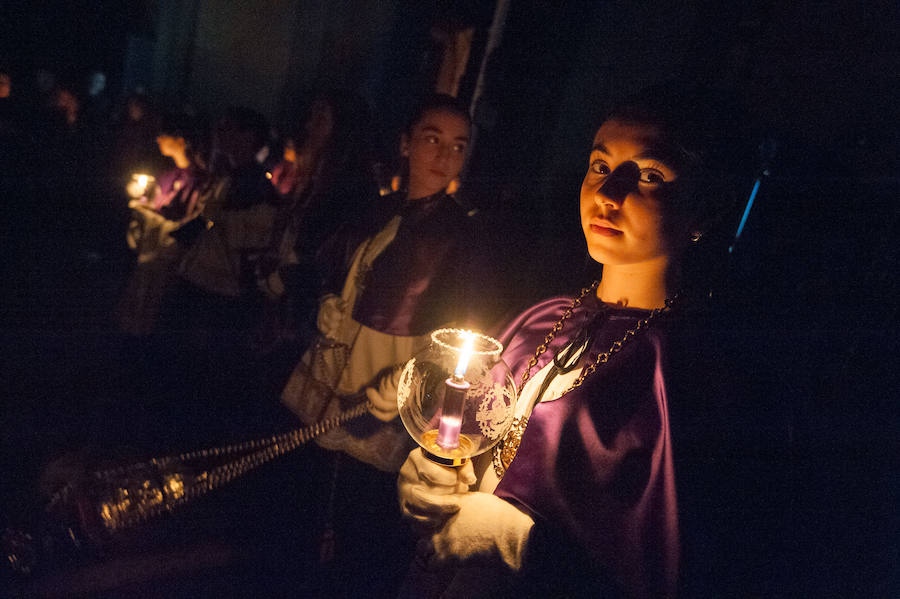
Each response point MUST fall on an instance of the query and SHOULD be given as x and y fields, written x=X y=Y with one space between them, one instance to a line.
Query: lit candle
x=454 y=398
x=138 y=185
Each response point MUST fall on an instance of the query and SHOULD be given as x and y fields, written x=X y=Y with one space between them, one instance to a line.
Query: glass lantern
x=457 y=397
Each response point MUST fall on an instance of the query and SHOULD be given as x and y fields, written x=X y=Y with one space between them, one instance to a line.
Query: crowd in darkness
x=165 y=269
x=126 y=185
x=179 y=280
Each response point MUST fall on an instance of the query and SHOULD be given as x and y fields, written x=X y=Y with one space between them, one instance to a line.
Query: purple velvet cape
x=596 y=464
x=421 y=280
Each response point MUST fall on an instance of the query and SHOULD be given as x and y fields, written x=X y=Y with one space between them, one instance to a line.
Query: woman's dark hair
x=343 y=182
x=347 y=152
x=437 y=102
x=702 y=132
x=177 y=125
x=351 y=130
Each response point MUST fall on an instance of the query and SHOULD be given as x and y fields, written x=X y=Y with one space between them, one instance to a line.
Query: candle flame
x=138 y=185
x=464 y=354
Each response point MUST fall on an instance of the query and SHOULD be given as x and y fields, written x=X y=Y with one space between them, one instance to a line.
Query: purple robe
x=420 y=281
x=175 y=198
x=596 y=464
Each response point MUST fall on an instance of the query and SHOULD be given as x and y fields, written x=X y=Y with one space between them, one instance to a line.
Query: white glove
x=383 y=400
x=484 y=527
x=331 y=313
x=429 y=493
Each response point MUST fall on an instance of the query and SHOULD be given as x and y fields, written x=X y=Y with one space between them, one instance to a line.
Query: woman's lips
x=604 y=228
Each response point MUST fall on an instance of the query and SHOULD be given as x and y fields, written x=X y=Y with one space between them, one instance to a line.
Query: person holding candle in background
x=325 y=176
x=398 y=275
x=158 y=213
x=399 y=271
x=579 y=498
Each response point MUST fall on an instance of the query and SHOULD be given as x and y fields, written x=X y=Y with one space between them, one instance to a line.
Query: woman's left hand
x=485 y=527
x=383 y=400
x=429 y=493
x=330 y=315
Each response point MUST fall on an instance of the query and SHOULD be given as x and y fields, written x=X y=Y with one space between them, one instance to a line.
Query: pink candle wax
x=451 y=414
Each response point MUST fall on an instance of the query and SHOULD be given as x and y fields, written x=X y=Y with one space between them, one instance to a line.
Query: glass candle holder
x=457 y=397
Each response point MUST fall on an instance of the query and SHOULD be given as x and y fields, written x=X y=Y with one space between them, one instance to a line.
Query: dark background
x=806 y=325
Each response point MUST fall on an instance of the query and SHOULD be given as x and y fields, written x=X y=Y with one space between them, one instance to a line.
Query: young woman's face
x=290 y=151
x=170 y=145
x=436 y=148
x=621 y=195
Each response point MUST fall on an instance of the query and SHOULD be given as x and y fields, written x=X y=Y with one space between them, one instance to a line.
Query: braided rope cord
x=262 y=451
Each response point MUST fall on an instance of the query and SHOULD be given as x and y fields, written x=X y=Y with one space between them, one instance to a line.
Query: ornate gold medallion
x=505 y=451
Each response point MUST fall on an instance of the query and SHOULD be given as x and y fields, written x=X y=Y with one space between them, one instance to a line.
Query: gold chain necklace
x=505 y=451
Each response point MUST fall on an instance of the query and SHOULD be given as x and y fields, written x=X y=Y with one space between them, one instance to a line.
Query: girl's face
x=621 y=195
x=290 y=151
x=436 y=148
x=170 y=146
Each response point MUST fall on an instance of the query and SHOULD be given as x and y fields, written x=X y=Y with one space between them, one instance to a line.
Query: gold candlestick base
x=446 y=457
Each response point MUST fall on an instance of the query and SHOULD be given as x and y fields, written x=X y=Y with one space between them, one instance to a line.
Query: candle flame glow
x=465 y=354
x=138 y=185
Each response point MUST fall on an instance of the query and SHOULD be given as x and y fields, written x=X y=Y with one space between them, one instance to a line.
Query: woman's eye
x=652 y=176
x=599 y=167
x=459 y=148
x=432 y=139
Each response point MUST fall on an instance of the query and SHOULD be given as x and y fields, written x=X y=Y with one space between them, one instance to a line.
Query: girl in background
x=398 y=274
x=156 y=217
x=395 y=280
x=324 y=180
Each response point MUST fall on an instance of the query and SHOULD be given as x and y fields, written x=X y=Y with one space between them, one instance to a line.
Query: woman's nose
x=618 y=184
